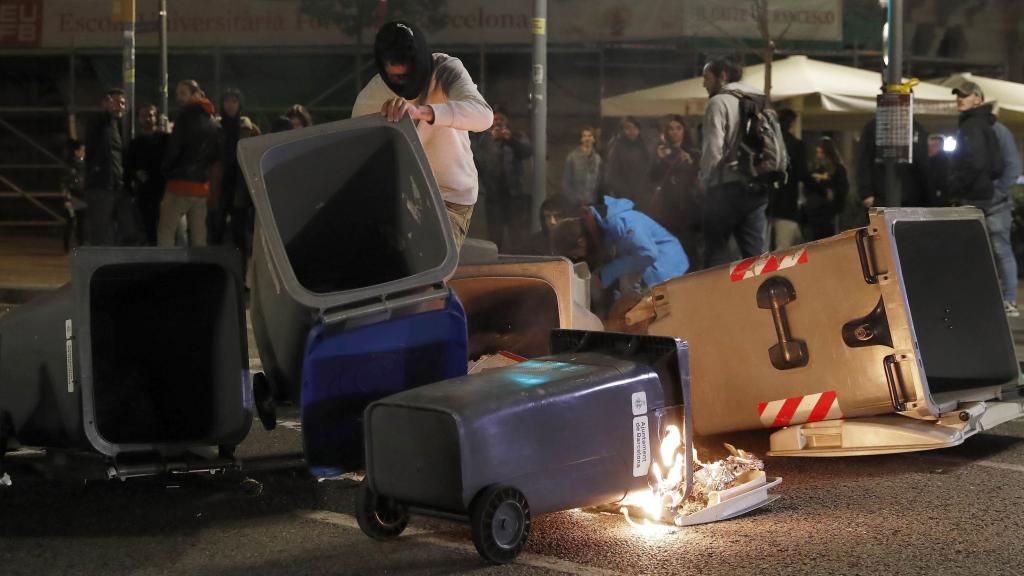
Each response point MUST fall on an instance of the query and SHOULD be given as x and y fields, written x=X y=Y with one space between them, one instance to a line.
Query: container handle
x=865 y=261
x=384 y=307
x=895 y=382
x=774 y=294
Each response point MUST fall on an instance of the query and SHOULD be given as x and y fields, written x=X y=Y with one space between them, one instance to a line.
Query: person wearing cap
x=985 y=165
x=438 y=94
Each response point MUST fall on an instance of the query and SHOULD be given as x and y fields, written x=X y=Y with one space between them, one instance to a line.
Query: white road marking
x=983 y=463
x=290 y=424
x=1001 y=465
x=526 y=558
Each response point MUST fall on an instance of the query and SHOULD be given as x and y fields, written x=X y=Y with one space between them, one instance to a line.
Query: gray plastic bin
x=576 y=428
x=144 y=350
x=351 y=229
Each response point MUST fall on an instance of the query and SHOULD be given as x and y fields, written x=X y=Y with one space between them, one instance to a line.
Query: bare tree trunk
x=1013 y=41
x=359 y=49
x=768 y=52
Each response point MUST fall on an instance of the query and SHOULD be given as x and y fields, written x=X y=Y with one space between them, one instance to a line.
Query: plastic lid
x=350 y=210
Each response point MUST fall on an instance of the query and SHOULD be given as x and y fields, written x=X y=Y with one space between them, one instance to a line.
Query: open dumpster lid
x=350 y=211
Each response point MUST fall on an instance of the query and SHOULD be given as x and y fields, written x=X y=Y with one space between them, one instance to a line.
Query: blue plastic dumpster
x=349 y=303
x=344 y=371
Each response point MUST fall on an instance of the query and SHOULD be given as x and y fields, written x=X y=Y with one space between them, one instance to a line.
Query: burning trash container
x=144 y=351
x=580 y=427
x=902 y=317
x=352 y=253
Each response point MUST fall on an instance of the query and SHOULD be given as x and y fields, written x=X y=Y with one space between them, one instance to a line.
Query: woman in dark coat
x=826 y=190
x=629 y=164
x=676 y=201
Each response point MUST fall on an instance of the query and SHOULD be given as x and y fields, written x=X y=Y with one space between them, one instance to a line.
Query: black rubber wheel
x=263 y=397
x=379 y=518
x=500 y=518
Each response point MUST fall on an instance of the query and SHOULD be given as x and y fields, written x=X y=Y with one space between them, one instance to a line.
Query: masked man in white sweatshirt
x=436 y=91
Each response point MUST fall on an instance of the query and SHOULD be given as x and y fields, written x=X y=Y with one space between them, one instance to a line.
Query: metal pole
x=540 y=105
x=72 y=108
x=218 y=72
x=483 y=69
x=163 y=65
x=893 y=191
x=128 y=126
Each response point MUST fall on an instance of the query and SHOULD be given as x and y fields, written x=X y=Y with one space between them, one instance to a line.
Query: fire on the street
x=667 y=503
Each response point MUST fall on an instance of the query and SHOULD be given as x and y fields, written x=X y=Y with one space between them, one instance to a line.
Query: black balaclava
x=404 y=42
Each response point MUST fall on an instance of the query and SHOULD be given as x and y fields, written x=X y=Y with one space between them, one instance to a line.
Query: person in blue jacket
x=621 y=245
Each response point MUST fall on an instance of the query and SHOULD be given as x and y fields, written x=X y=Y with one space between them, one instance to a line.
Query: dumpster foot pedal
x=891 y=434
x=734 y=502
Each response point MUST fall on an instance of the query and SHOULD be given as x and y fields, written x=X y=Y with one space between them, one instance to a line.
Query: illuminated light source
x=663 y=503
x=949 y=144
x=885 y=44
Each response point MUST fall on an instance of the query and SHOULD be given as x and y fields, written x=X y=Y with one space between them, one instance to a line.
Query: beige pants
x=785 y=233
x=171 y=209
x=459 y=215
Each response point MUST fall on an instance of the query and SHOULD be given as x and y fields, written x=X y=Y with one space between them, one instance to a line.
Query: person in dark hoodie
x=977 y=160
x=111 y=220
x=984 y=166
x=629 y=164
x=784 y=201
x=553 y=210
x=912 y=177
x=72 y=190
x=192 y=151
x=437 y=93
x=622 y=245
x=143 y=172
x=230 y=123
x=500 y=153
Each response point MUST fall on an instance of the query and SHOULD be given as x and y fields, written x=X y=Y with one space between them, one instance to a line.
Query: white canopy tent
x=828 y=96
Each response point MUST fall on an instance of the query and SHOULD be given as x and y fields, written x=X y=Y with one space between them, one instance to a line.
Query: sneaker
x=1011 y=309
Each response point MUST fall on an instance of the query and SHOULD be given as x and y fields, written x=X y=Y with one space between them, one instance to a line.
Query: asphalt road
x=949 y=512
x=953 y=511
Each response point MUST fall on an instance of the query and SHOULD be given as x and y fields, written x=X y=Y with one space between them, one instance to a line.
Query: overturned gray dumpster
x=144 y=351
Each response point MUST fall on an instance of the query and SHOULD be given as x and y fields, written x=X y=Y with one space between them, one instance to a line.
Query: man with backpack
x=744 y=155
x=985 y=165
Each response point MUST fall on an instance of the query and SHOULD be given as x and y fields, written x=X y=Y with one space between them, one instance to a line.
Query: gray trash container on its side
x=351 y=229
x=580 y=427
x=144 y=350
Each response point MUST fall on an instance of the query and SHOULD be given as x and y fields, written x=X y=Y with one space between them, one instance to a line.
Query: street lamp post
x=128 y=70
x=894 y=77
x=163 y=65
x=539 y=103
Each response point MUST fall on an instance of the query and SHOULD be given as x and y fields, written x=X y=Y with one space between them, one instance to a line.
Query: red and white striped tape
x=753 y=267
x=800 y=409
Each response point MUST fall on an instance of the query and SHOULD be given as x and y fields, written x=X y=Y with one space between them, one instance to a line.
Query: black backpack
x=761 y=152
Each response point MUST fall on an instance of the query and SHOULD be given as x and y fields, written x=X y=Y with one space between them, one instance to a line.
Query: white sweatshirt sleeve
x=466 y=109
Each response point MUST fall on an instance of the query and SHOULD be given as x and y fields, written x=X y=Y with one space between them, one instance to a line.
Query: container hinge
x=383 y=308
